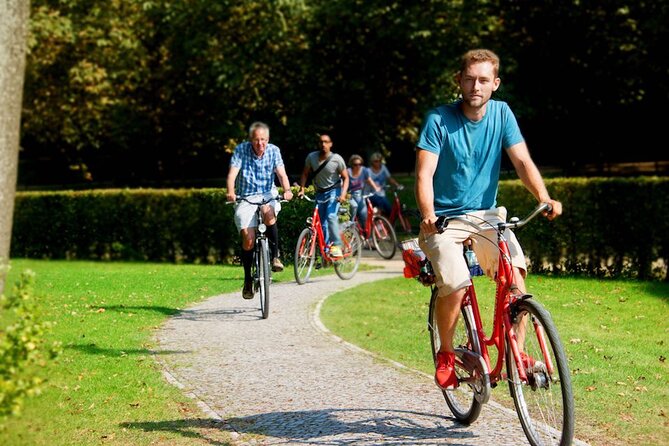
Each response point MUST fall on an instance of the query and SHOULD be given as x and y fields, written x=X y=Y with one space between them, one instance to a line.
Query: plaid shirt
x=256 y=175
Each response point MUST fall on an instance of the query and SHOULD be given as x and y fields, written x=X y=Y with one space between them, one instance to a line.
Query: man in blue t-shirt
x=458 y=159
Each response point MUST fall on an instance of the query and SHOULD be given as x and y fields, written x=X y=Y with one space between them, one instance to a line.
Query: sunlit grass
x=105 y=387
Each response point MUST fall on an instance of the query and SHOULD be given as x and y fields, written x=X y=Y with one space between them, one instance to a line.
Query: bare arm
x=373 y=184
x=230 y=183
x=303 y=179
x=426 y=165
x=531 y=177
x=285 y=183
x=344 y=187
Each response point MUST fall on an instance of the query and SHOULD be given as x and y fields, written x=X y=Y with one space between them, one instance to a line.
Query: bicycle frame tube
x=396 y=210
x=501 y=323
x=366 y=232
x=317 y=229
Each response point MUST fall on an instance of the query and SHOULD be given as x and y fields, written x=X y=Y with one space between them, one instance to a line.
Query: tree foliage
x=132 y=92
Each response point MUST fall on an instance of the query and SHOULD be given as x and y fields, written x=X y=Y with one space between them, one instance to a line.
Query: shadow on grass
x=93 y=349
x=202 y=429
x=325 y=427
x=145 y=308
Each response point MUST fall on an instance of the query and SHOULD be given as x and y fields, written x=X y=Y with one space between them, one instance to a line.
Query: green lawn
x=105 y=387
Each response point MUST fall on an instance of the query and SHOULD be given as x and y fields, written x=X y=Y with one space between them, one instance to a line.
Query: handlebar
x=513 y=223
x=262 y=202
x=313 y=200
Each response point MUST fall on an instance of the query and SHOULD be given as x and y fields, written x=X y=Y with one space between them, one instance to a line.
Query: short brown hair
x=479 y=55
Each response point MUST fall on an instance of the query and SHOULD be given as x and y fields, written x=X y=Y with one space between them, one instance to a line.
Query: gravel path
x=287 y=380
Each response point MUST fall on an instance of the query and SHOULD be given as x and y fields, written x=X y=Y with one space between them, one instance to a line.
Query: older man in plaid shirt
x=258 y=161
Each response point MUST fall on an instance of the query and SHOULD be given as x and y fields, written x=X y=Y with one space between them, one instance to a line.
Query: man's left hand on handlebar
x=556 y=210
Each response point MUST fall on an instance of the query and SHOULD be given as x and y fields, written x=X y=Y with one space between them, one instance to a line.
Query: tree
x=13 y=29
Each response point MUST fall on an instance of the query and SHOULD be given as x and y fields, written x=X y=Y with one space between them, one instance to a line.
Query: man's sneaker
x=445 y=375
x=277 y=266
x=247 y=291
x=335 y=251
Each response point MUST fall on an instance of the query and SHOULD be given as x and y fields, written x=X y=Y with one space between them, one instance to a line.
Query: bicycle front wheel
x=305 y=255
x=465 y=402
x=347 y=266
x=545 y=403
x=264 y=277
x=383 y=235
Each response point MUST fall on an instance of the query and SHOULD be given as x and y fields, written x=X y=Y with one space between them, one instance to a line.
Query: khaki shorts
x=445 y=250
x=245 y=213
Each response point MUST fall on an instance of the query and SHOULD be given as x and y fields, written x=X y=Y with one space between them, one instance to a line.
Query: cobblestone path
x=286 y=380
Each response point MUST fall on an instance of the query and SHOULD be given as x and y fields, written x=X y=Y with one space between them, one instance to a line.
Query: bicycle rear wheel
x=466 y=401
x=264 y=273
x=545 y=404
x=347 y=266
x=383 y=235
x=305 y=255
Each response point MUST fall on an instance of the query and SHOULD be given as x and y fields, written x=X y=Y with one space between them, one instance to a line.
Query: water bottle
x=472 y=262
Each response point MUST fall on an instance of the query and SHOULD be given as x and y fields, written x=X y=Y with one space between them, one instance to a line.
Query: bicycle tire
x=464 y=402
x=264 y=277
x=545 y=405
x=347 y=266
x=305 y=256
x=384 y=237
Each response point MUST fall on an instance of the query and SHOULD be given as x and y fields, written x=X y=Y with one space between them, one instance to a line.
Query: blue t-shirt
x=380 y=178
x=470 y=155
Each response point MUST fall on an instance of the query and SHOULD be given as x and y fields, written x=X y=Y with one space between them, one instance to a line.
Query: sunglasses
x=356 y=164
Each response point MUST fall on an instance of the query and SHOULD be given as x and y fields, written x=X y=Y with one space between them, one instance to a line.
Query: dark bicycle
x=261 y=270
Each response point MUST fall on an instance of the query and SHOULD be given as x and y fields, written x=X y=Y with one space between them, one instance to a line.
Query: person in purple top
x=458 y=159
x=358 y=177
x=258 y=161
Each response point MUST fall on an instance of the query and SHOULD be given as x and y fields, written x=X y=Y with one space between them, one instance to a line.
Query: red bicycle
x=312 y=242
x=536 y=364
x=399 y=214
x=378 y=229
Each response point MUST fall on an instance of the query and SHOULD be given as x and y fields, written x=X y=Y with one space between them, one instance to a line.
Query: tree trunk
x=14 y=16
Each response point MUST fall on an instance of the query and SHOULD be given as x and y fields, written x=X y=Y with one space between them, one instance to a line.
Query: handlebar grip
x=441 y=224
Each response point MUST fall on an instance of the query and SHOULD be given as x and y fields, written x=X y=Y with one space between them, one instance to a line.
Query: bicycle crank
x=478 y=377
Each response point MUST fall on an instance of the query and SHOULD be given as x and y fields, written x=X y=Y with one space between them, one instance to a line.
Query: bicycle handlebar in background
x=262 y=202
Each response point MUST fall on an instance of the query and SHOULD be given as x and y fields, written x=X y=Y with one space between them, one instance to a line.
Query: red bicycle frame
x=396 y=213
x=502 y=323
x=319 y=240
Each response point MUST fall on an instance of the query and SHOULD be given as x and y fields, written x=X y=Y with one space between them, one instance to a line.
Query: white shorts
x=445 y=250
x=245 y=213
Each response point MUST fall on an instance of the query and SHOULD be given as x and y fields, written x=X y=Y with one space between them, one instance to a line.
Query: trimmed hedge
x=611 y=227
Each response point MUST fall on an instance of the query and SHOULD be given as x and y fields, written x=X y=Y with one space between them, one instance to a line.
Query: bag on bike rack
x=416 y=265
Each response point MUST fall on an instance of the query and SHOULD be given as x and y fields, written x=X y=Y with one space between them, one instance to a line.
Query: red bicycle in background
x=312 y=242
x=378 y=229
x=399 y=214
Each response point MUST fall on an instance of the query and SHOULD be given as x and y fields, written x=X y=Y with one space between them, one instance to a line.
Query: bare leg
x=447 y=312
